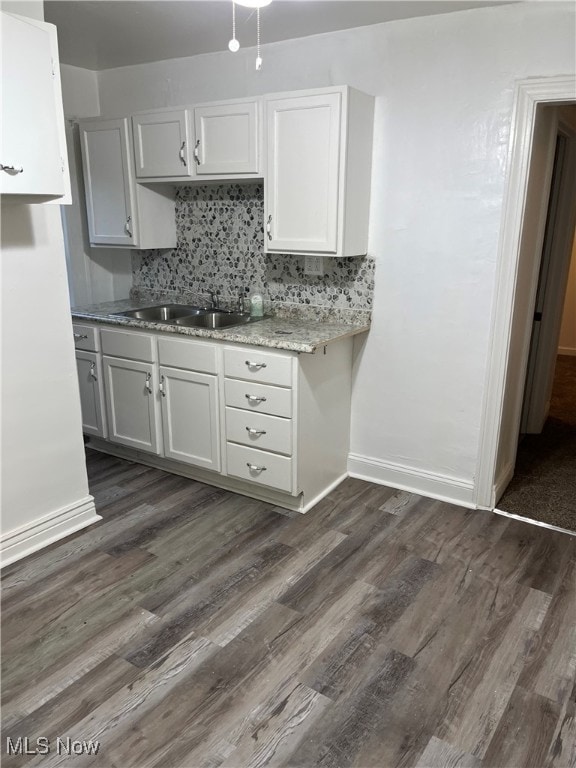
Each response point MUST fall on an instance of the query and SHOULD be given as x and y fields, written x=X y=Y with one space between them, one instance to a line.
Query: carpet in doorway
x=544 y=484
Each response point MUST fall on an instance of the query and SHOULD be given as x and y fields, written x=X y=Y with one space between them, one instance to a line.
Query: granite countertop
x=299 y=329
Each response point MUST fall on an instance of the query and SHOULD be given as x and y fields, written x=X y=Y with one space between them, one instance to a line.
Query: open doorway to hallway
x=544 y=483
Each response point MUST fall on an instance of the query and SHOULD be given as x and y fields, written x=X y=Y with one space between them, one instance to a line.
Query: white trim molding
x=454 y=490
x=36 y=535
x=530 y=94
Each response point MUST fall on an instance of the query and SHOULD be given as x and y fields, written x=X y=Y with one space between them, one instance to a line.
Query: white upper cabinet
x=317 y=185
x=33 y=157
x=162 y=144
x=205 y=142
x=226 y=139
x=121 y=212
x=110 y=193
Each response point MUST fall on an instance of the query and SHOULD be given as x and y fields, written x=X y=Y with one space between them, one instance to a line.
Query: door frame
x=530 y=94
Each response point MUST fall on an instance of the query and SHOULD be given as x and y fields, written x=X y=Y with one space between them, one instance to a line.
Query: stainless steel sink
x=164 y=313
x=188 y=316
x=213 y=320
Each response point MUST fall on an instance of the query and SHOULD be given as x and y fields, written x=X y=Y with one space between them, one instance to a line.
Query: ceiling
x=115 y=33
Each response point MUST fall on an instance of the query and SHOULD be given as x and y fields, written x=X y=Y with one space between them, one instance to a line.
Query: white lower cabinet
x=90 y=379
x=131 y=403
x=271 y=424
x=190 y=417
x=260 y=467
x=89 y=367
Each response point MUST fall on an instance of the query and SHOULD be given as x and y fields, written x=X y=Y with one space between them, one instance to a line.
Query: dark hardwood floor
x=193 y=627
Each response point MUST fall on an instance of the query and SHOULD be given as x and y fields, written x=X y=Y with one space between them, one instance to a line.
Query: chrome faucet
x=213 y=299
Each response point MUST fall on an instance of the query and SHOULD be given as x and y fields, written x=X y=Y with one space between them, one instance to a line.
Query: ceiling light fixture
x=254 y=3
x=234 y=45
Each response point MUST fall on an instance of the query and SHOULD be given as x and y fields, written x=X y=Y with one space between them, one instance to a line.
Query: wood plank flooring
x=196 y=628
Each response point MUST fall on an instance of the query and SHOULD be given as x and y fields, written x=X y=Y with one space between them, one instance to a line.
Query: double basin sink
x=188 y=316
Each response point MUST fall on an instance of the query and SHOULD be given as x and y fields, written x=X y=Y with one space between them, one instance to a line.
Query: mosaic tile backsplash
x=220 y=232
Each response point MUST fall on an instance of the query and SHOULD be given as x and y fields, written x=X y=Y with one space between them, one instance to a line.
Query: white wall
x=567 y=344
x=44 y=483
x=444 y=88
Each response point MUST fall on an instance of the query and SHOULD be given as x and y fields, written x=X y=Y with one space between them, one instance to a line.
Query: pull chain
x=233 y=45
x=258 y=56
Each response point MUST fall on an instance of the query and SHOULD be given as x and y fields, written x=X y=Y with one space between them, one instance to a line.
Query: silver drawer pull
x=255 y=399
x=14 y=169
x=250 y=364
x=147 y=383
x=255 y=432
x=93 y=371
x=162 y=388
x=80 y=336
x=255 y=467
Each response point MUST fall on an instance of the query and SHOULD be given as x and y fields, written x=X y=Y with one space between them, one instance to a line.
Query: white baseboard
x=443 y=487
x=567 y=351
x=323 y=493
x=33 y=536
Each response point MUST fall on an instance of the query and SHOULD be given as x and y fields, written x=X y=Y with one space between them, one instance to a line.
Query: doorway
x=533 y=147
x=542 y=487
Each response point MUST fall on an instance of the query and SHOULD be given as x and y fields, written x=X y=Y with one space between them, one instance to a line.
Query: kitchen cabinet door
x=91 y=393
x=121 y=212
x=33 y=158
x=190 y=417
x=110 y=192
x=132 y=403
x=161 y=144
x=302 y=183
x=226 y=139
x=318 y=173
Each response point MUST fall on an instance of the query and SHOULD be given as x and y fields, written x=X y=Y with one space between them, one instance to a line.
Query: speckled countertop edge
x=290 y=333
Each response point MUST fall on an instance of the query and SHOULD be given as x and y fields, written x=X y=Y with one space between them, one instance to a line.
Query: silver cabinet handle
x=148 y=385
x=255 y=432
x=162 y=389
x=255 y=467
x=93 y=371
x=269 y=227
x=182 y=157
x=250 y=364
x=13 y=169
x=80 y=336
x=197 y=152
x=255 y=399
x=127 y=226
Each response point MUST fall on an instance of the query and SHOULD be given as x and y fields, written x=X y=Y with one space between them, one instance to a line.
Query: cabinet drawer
x=254 y=365
x=260 y=467
x=86 y=337
x=191 y=355
x=133 y=346
x=258 y=430
x=258 y=397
